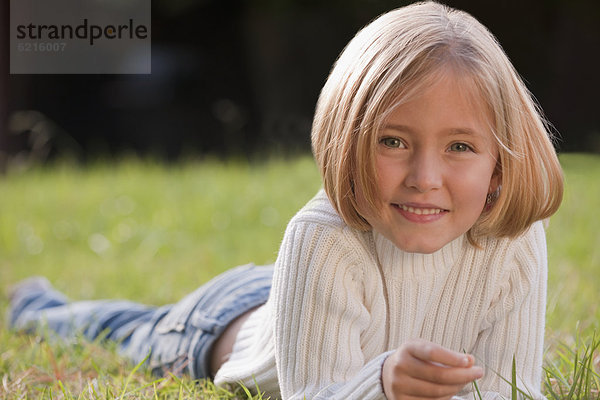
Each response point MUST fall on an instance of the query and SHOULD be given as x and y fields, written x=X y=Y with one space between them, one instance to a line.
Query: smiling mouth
x=420 y=210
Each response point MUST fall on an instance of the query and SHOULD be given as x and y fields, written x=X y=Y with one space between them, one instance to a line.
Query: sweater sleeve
x=514 y=322
x=319 y=316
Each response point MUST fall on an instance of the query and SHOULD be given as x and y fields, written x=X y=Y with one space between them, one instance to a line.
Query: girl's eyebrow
x=400 y=128
x=452 y=131
x=464 y=131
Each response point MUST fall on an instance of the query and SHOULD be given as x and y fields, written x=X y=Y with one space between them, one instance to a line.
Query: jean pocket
x=167 y=349
x=172 y=337
x=171 y=345
x=177 y=317
x=206 y=323
x=173 y=348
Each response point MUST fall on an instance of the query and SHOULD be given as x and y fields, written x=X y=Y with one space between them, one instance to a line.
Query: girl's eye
x=392 y=142
x=459 y=147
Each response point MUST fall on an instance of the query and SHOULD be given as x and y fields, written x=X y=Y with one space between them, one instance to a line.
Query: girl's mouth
x=420 y=213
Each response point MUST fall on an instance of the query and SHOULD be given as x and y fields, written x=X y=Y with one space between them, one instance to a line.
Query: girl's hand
x=421 y=369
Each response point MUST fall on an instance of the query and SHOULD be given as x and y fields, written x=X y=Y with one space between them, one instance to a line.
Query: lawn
x=151 y=232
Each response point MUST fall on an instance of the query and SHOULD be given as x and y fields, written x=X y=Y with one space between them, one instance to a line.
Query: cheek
x=388 y=175
x=472 y=185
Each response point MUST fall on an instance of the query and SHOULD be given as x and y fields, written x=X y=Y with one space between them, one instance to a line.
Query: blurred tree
x=243 y=76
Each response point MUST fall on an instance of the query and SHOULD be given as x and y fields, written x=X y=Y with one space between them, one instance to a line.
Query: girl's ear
x=495 y=184
x=496 y=180
x=493 y=191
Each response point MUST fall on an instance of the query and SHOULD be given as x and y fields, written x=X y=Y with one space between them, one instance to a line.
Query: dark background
x=242 y=78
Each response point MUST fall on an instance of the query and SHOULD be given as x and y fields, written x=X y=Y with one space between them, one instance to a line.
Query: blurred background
x=241 y=78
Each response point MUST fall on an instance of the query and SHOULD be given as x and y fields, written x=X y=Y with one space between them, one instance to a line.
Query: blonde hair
x=396 y=56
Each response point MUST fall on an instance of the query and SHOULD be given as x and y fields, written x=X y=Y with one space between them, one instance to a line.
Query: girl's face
x=435 y=161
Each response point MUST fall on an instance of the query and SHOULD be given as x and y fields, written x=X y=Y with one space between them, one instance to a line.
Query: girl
x=421 y=265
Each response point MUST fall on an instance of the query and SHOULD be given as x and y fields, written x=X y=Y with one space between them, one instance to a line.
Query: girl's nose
x=424 y=173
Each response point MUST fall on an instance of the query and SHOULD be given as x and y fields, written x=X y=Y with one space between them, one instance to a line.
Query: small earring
x=492 y=196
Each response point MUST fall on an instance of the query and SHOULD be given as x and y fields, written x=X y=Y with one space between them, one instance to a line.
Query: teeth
x=421 y=211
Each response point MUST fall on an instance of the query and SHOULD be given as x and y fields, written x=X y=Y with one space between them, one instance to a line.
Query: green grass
x=151 y=232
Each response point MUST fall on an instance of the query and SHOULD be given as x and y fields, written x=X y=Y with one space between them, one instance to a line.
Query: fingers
x=423 y=389
x=433 y=372
x=404 y=386
x=434 y=353
x=422 y=369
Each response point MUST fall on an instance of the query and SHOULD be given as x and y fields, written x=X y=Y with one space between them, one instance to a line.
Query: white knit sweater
x=343 y=300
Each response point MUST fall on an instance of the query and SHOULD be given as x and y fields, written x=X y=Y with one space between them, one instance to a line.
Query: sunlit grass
x=574 y=249
x=108 y=226
x=151 y=232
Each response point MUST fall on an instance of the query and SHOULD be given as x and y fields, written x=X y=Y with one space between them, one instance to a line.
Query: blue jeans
x=179 y=337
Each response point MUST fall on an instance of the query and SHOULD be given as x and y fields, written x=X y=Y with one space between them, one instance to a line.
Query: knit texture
x=343 y=300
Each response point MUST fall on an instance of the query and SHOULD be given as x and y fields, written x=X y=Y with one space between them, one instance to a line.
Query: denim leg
x=182 y=338
x=179 y=337
x=33 y=294
x=43 y=306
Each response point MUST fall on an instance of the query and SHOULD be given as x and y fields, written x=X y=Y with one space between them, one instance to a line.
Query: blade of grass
x=245 y=389
x=526 y=395
x=476 y=390
x=552 y=374
x=63 y=389
x=514 y=379
x=130 y=376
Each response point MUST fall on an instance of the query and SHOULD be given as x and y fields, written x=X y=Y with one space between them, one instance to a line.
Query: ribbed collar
x=398 y=263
